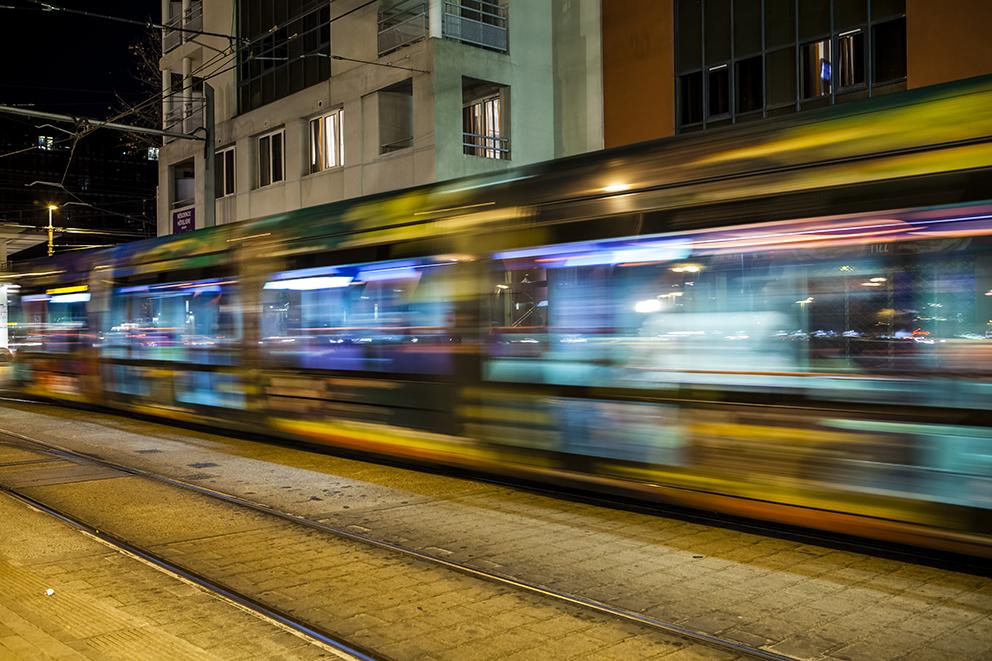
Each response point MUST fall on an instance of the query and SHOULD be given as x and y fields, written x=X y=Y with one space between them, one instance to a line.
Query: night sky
x=67 y=63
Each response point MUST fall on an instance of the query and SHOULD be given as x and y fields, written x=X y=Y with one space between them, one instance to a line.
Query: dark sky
x=68 y=63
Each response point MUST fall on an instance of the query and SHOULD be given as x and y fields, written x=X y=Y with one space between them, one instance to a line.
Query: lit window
x=327 y=141
x=153 y=153
x=816 y=69
x=851 y=59
x=224 y=173
x=270 y=158
x=46 y=142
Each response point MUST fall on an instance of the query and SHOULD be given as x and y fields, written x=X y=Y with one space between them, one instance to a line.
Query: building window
x=183 y=184
x=890 y=50
x=851 y=59
x=396 y=117
x=815 y=69
x=484 y=119
x=270 y=158
x=46 y=142
x=153 y=153
x=327 y=141
x=289 y=48
x=758 y=58
x=224 y=173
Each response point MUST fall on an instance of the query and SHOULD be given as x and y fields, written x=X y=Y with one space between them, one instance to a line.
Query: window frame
x=224 y=171
x=492 y=131
x=319 y=162
x=266 y=164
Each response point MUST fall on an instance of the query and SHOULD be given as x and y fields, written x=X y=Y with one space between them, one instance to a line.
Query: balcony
x=476 y=22
x=401 y=25
x=171 y=36
x=188 y=19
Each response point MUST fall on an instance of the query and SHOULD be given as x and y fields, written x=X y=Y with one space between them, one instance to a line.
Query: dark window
x=814 y=18
x=890 y=50
x=717 y=31
x=748 y=78
x=690 y=35
x=270 y=159
x=780 y=23
x=780 y=74
x=850 y=13
x=747 y=27
x=719 y=79
x=691 y=98
x=885 y=8
x=224 y=173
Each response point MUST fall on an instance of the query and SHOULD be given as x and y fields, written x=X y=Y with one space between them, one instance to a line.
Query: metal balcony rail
x=402 y=24
x=193 y=19
x=183 y=116
x=488 y=146
x=171 y=38
x=476 y=22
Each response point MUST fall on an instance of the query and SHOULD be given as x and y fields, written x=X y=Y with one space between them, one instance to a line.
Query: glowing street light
x=51 y=230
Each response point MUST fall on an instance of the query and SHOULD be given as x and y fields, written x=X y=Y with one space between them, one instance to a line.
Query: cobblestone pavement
x=798 y=600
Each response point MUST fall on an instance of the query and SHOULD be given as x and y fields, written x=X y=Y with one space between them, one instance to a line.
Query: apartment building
x=315 y=101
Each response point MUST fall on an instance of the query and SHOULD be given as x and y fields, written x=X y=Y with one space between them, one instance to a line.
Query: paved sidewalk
x=64 y=595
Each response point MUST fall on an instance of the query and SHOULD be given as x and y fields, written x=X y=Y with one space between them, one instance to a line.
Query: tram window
x=380 y=317
x=55 y=320
x=174 y=321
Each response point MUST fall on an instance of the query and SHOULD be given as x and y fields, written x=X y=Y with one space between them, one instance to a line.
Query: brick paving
x=796 y=599
x=105 y=605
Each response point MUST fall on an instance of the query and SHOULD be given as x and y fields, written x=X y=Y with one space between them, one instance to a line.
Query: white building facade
x=316 y=101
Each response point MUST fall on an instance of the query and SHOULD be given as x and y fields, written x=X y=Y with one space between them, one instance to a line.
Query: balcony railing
x=183 y=117
x=190 y=19
x=476 y=22
x=171 y=37
x=402 y=24
x=487 y=146
x=193 y=19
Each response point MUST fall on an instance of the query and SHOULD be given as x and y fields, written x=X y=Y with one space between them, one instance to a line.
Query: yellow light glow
x=52 y=207
x=616 y=188
x=66 y=290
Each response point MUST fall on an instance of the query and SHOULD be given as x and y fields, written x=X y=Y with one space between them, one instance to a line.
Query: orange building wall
x=947 y=41
x=638 y=70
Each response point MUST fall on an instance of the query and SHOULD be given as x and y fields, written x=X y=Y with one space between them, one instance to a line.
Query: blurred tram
x=786 y=320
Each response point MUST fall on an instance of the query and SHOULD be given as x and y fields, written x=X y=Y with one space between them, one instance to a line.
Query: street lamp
x=51 y=230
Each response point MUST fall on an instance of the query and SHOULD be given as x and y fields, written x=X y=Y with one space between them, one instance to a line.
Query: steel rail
x=345 y=650
x=591 y=604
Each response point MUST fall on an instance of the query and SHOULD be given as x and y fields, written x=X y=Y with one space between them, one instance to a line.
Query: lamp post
x=51 y=230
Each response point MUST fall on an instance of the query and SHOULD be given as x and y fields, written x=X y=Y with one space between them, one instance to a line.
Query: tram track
x=317 y=633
